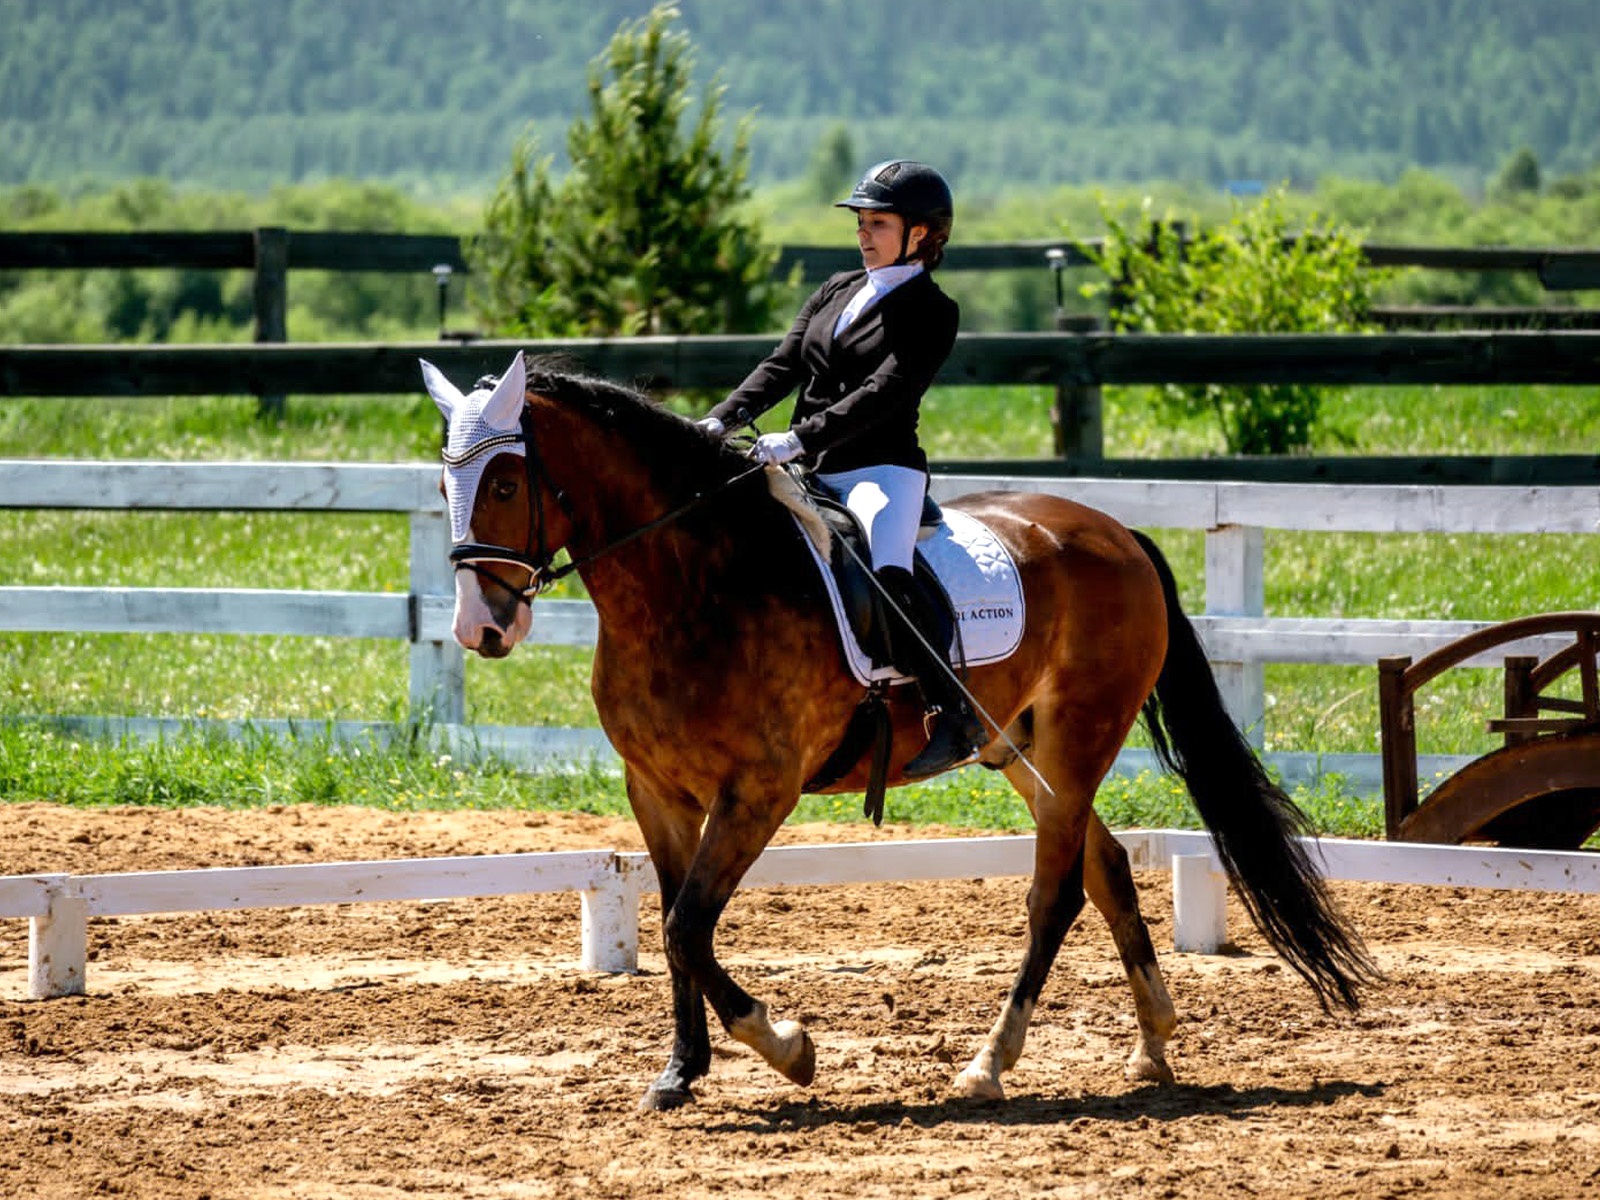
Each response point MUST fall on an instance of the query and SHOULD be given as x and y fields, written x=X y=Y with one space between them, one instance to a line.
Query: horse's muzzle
x=491 y=644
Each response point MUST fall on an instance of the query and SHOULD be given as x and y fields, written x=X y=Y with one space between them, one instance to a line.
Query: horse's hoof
x=800 y=1065
x=976 y=1085
x=665 y=1099
x=1142 y=1068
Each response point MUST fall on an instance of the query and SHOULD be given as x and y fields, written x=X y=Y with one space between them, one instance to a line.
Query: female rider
x=863 y=350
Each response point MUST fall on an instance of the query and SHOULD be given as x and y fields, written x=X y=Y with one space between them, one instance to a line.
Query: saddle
x=849 y=559
x=875 y=626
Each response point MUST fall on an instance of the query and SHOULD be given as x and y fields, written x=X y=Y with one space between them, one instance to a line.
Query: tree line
x=237 y=93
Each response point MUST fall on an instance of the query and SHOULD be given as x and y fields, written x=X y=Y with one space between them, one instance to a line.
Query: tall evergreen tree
x=643 y=235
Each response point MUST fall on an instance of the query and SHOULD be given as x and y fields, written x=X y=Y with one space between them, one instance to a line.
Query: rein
x=472 y=555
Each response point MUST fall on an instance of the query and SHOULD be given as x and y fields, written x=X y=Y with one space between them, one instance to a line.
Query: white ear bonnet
x=482 y=423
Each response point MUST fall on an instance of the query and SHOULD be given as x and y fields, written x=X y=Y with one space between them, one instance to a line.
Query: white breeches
x=888 y=502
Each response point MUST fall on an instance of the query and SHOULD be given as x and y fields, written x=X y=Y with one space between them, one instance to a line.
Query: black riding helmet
x=916 y=192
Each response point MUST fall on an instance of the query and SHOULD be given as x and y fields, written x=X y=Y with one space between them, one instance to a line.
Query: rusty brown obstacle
x=1542 y=788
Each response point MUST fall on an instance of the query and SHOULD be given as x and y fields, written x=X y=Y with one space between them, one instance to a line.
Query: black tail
x=1252 y=821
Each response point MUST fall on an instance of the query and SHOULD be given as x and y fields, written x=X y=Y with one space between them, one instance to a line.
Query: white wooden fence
x=421 y=616
x=1238 y=636
x=610 y=884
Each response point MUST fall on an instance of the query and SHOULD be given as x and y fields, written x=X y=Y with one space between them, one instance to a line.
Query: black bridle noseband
x=537 y=556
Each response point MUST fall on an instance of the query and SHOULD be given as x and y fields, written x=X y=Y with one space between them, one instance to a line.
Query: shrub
x=1249 y=275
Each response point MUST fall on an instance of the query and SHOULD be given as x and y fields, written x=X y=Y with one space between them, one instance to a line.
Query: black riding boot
x=957 y=733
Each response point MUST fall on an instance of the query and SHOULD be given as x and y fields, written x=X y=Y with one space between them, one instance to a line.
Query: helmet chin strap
x=905 y=242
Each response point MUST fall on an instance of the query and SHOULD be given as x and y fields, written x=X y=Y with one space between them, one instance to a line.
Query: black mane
x=681 y=457
x=744 y=528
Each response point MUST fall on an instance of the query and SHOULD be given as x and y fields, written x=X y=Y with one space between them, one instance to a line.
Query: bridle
x=534 y=558
x=537 y=554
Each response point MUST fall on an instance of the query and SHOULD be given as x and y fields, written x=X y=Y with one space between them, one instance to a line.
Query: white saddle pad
x=985 y=591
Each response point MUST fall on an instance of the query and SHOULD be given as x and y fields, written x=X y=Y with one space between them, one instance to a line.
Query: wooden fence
x=420 y=616
x=1075 y=365
x=272 y=252
x=1238 y=636
x=1076 y=371
x=1560 y=268
x=1566 y=357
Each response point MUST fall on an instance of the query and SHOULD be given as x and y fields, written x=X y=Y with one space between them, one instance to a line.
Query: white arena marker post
x=58 y=948
x=611 y=921
x=1199 y=904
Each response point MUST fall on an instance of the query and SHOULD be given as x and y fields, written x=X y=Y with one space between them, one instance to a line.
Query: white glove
x=712 y=426
x=774 y=448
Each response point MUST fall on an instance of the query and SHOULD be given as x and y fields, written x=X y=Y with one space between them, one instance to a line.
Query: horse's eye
x=504 y=489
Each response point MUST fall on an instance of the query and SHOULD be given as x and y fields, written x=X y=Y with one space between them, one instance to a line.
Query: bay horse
x=720 y=681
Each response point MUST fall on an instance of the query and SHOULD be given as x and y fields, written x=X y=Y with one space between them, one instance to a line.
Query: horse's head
x=506 y=519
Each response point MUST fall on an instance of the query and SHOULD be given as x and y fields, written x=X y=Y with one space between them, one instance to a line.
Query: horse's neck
x=640 y=586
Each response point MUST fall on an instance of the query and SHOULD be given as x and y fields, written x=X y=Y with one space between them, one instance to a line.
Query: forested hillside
x=245 y=93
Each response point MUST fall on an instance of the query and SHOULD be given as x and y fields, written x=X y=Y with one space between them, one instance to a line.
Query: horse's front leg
x=671 y=827
x=738 y=829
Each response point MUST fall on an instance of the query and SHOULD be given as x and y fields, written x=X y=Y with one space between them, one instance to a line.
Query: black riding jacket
x=859 y=392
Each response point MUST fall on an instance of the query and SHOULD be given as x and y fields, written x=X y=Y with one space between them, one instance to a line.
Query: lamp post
x=441 y=276
x=1057 y=258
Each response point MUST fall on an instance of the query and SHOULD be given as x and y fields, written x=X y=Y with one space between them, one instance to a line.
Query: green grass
x=196 y=767
x=200 y=767
x=957 y=423
x=323 y=428
x=1308 y=708
x=1015 y=422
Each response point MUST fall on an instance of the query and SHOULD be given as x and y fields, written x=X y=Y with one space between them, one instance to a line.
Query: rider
x=863 y=350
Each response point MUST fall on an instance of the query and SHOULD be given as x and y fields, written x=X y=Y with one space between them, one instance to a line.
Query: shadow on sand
x=1154 y=1103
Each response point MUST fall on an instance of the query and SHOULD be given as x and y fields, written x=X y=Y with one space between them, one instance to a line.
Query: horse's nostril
x=492 y=643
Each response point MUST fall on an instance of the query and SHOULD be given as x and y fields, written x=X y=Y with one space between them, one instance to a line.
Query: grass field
x=1309 y=708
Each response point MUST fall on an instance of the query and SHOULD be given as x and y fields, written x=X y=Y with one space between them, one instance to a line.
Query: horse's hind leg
x=1054 y=901
x=1104 y=874
x=1110 y=885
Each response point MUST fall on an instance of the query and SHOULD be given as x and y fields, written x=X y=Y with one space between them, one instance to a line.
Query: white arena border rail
x=610 y=885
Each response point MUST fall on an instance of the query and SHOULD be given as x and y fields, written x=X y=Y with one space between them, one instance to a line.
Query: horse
x=720 y=682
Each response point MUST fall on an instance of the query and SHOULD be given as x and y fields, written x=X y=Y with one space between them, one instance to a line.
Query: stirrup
x=948 y=746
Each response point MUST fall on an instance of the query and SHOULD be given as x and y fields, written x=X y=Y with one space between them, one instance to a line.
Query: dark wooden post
x=441 y=280
x=1077 y=421
x=1397 y=727
x=1519 y=696
x=1588 y=674
x=272 y=301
